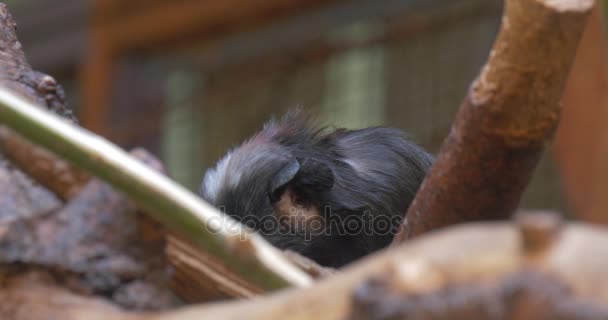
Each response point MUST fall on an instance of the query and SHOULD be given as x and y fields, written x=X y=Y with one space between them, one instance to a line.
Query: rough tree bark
x=88 y=238
x=510 y=112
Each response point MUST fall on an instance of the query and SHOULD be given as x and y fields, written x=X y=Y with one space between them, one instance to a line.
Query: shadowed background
x=189 y=79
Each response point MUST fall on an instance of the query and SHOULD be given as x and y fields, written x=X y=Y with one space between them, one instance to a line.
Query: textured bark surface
x=96 y=244
x=20 y=196
x=510 y=112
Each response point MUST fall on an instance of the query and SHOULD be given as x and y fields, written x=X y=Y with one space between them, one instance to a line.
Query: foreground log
x=476 y=271
x=510 y=112
x=483 y=271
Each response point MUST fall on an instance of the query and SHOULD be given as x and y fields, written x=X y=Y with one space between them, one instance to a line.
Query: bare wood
x=510 y=112
x=199 y=277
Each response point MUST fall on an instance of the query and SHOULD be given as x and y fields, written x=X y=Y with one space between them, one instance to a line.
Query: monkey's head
x=275 y=184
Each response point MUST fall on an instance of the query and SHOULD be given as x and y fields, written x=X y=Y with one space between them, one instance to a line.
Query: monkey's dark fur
x=292 y=167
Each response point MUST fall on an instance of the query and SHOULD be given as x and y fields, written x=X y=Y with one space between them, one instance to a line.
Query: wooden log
x=474 y=271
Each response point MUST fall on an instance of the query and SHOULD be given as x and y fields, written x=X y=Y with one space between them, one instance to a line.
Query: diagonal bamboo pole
x=243 y=252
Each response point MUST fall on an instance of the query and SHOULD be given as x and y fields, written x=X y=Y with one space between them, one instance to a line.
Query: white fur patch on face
x=215 y=177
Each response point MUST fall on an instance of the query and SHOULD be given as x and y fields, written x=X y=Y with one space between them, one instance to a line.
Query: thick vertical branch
x=510 y=112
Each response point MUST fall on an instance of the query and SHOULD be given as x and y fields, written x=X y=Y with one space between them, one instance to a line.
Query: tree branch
x=510 y=112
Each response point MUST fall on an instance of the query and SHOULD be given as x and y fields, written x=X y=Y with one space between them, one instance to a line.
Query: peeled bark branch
x=510 y=112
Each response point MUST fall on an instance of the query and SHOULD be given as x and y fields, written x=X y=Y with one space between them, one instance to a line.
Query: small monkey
x=333 y=195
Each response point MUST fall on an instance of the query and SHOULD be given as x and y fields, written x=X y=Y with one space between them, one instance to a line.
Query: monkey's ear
x=282 y=178
x=305 y=175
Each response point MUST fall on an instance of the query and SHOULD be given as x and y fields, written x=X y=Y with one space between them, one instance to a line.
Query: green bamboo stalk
x=171 y=204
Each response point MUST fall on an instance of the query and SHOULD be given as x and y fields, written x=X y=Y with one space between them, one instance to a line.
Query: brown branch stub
x=539 y=230
x=510 y=112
